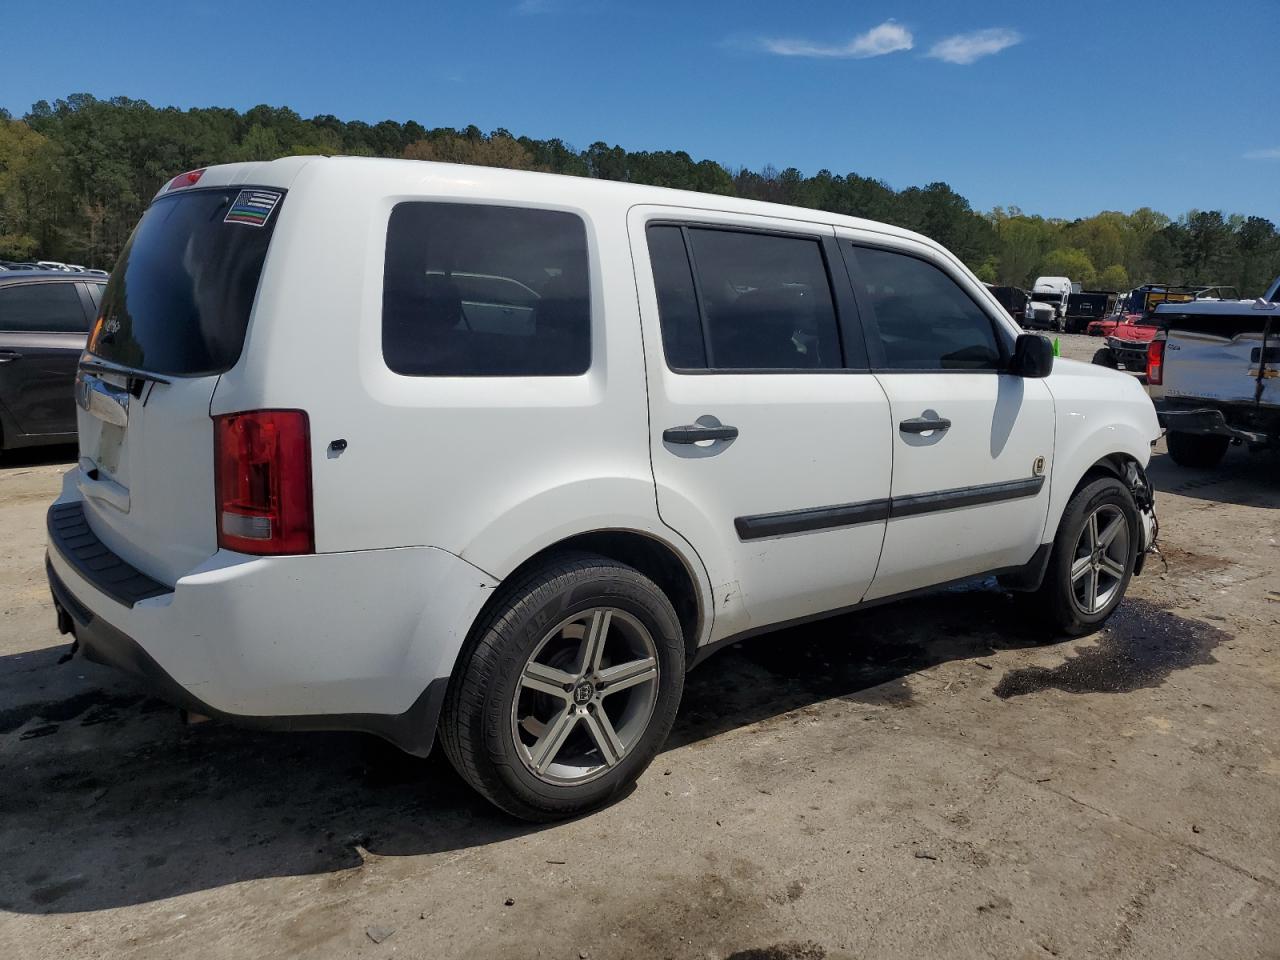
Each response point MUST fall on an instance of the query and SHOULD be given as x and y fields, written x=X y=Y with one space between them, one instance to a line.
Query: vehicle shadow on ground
x=38 y=456
x=108 y=800
x=1245 y=478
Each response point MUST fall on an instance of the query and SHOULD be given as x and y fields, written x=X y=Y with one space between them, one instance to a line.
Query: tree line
x=76 y=174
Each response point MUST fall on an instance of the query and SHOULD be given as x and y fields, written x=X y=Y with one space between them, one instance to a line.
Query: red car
x=1128 y=330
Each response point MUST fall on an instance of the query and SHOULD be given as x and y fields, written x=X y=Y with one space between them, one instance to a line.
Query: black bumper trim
x=71 y=535
x=1206 y=420
x=412 y=731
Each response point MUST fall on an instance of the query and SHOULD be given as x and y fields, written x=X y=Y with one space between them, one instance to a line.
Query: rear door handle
x=7 y=355
x=695 y=432
x=924 y=425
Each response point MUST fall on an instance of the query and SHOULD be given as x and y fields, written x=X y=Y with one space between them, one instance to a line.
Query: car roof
x=1215 y=307
x=412 y=177
x=49 y=275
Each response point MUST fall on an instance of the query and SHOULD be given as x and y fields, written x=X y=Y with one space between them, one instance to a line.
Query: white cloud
x=1267 y=153
x=889 y=37
x=965 y=48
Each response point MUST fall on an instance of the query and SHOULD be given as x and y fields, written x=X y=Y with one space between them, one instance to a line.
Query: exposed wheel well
x=1112 y=465
x=655 y=559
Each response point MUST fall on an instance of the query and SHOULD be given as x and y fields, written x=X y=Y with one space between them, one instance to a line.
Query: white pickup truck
x=1213 y=371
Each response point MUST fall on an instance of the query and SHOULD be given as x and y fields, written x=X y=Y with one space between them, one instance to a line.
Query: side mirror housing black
x=1032 y=356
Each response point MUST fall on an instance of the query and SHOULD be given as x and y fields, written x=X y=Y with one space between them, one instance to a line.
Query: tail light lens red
x=188 y=179
x=263 y=482
x=1155 y=362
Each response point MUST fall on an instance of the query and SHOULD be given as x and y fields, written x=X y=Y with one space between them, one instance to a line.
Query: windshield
x=178 y=301
x=1047 y=296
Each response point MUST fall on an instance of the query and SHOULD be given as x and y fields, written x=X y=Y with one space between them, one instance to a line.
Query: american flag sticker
x=252 y=207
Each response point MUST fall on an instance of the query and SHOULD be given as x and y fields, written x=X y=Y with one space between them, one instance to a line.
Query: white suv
x=414 y=448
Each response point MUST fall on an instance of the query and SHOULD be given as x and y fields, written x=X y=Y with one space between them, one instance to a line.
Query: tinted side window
x=473 y=290
x=677 y=302
x=925 y=320
x=42 y=307
x=766 y=301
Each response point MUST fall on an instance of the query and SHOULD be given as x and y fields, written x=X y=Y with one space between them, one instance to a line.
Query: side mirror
x=1032 y=356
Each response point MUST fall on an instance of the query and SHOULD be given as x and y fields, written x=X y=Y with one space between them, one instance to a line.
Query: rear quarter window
x=475 y=290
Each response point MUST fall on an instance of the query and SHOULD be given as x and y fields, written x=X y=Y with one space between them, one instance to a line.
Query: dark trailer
x=1013 y=299
x=1085 y=307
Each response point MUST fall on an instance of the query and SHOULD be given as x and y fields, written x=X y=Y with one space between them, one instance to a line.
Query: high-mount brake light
x=263 y=482
x=188 y=179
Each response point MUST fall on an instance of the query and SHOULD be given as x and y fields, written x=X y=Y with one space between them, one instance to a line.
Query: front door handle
x=924 y=425
x=695 y=432
x=7 y=355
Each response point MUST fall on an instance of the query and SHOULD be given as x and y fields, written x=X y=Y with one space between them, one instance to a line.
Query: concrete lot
x=922 y=780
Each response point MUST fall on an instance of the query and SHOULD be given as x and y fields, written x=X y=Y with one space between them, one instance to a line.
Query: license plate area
x=107 y=399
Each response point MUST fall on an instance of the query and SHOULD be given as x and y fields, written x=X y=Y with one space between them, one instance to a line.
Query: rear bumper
x=1210 y=420
x=350 y=641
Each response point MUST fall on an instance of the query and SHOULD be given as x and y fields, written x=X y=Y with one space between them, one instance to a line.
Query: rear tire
x=1093 y=558
x=531 y=719
x=1197 y=450
x=1105 y=357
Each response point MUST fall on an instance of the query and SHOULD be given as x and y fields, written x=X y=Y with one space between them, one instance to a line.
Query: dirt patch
x=791 y=950
x=1184 y=561
x=1141 y=646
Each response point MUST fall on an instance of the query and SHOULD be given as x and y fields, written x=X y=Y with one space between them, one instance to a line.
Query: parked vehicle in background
x=1130 y=329
x=1048 y=304
x=44 y=318
x=1013 y=299
x=539 y=466
x=1214 y=374
x=52 y=265
x=18 y=265
x=1085 y=307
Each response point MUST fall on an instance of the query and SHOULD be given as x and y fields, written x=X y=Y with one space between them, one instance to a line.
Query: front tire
x=1093 y=558
x=568 y=689
x=1197 y=450
x=1105 y=357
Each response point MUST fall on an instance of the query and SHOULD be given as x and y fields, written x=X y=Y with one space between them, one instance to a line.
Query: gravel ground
x=923 y=779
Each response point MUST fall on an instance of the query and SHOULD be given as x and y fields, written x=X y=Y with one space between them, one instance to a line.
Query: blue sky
x=1062 y=109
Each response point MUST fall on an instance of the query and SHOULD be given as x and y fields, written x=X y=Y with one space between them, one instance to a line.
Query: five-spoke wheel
x=1101 y=558
x=567 y=689
x=586 y=695
x=1093 y=557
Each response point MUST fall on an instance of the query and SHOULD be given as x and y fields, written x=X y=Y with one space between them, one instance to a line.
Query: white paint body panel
x=448 y=484
x=335 y=633
x=1000 y=425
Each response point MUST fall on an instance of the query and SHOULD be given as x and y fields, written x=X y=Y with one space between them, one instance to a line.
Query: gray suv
x=44 y=319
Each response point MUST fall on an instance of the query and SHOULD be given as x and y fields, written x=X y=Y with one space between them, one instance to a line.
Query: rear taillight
x=263 y=482
x=1155 y=362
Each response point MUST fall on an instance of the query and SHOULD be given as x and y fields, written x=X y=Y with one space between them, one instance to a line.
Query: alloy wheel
x=585 y=696
x=1101 y=559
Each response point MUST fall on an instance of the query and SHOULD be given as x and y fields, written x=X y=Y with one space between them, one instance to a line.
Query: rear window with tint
x=473 y=290
x=179 y=299
x=42 y=308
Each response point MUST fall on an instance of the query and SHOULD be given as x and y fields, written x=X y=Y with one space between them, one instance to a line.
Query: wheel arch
x=678 y=576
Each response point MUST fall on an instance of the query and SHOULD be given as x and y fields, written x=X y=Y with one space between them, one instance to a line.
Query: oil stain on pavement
x=1141 y=646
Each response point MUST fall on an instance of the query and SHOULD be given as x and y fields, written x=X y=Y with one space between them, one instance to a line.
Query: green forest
x=76 y=174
